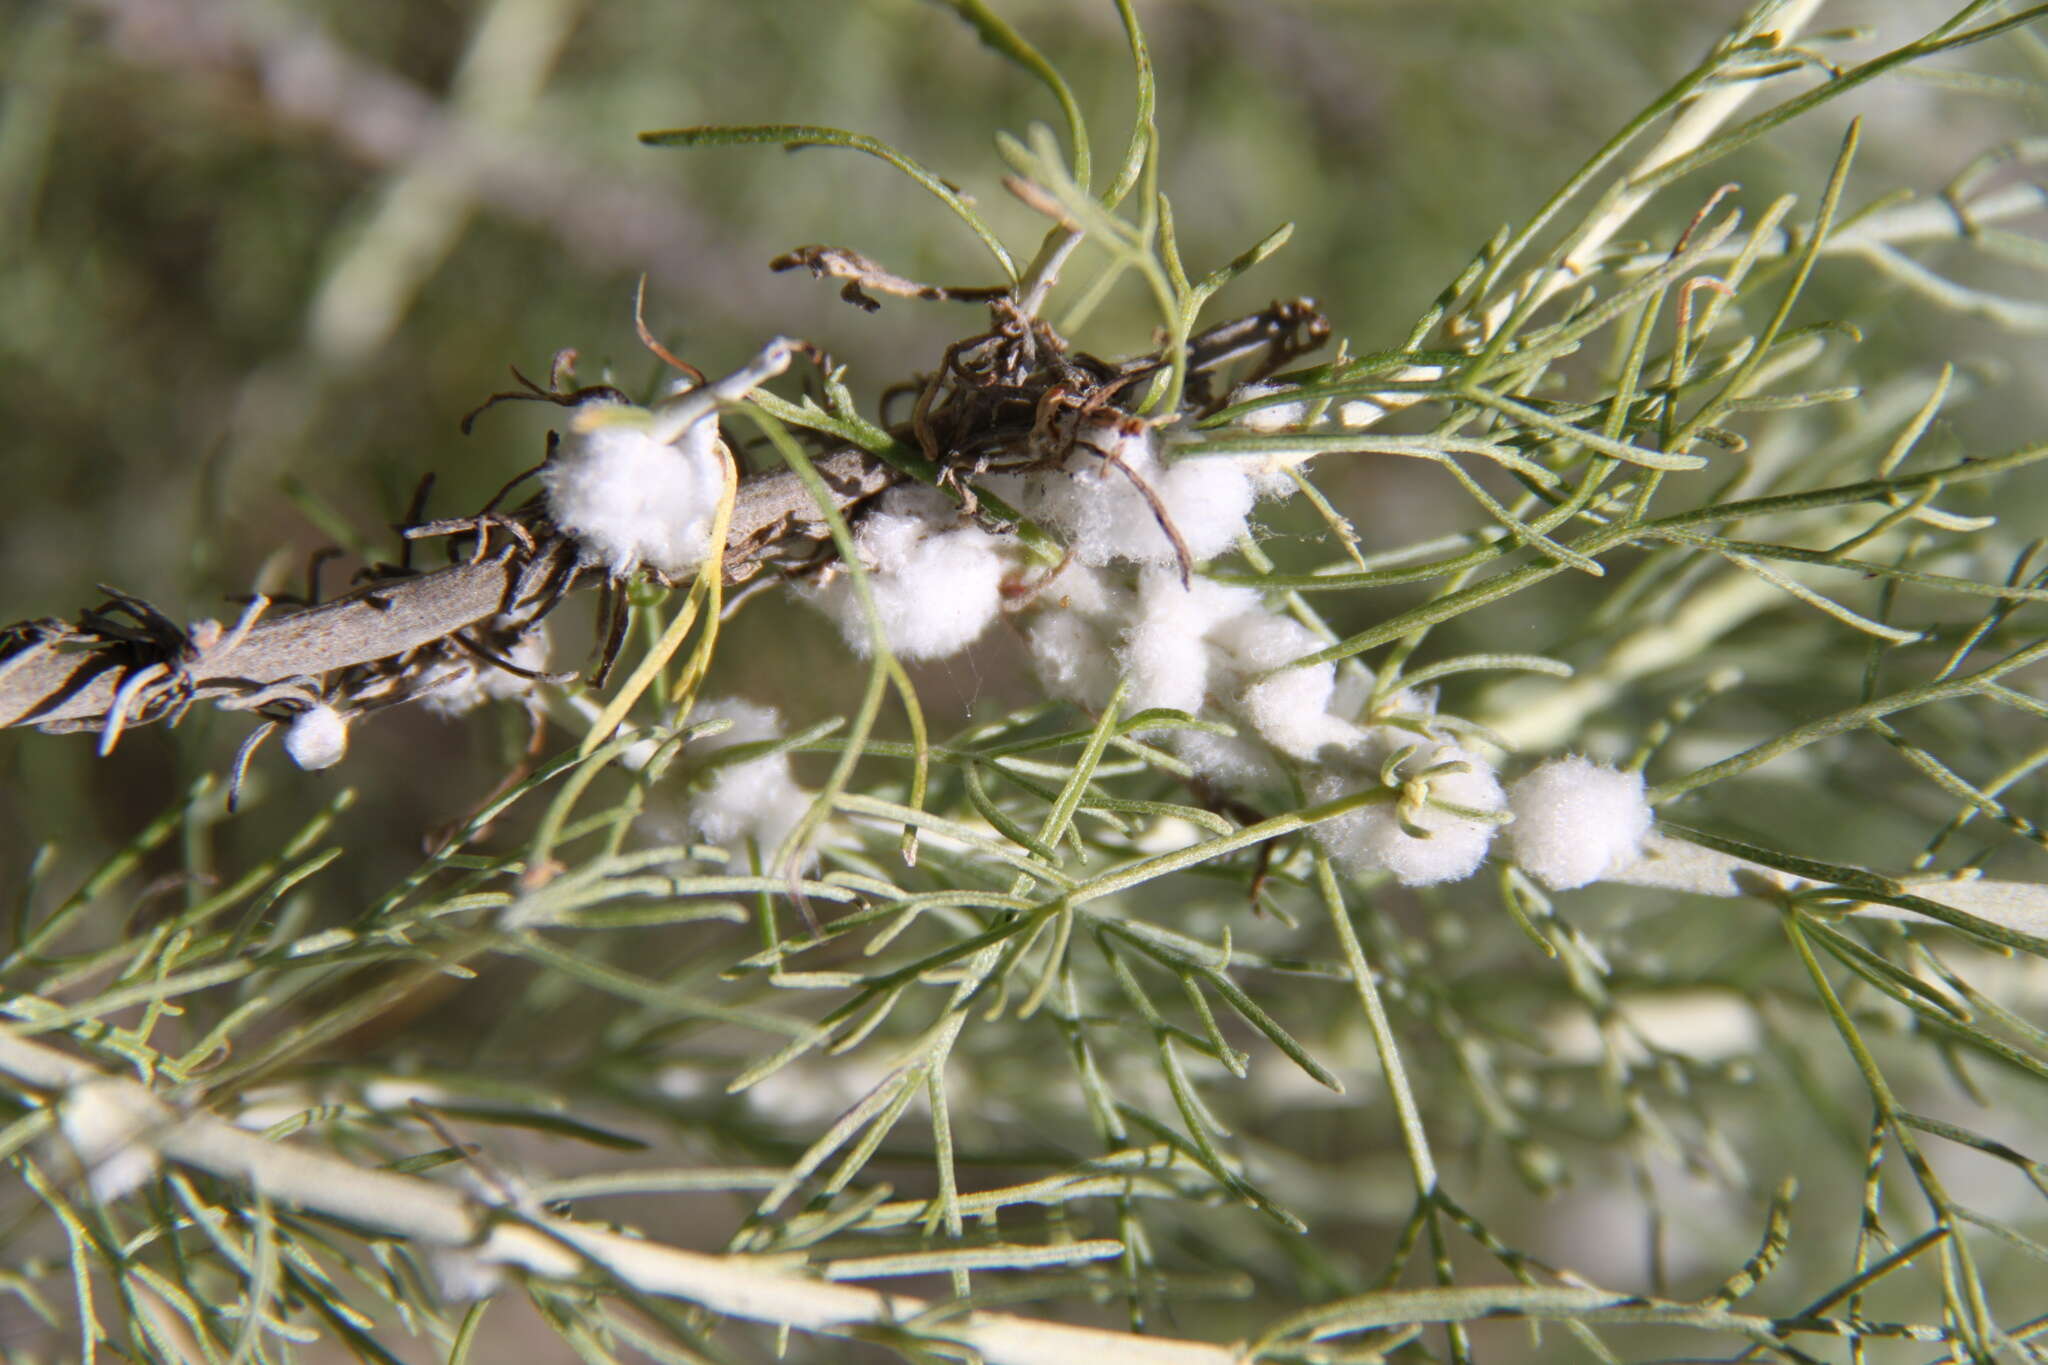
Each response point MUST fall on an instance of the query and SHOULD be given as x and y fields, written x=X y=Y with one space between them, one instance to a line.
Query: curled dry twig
x=862 y=274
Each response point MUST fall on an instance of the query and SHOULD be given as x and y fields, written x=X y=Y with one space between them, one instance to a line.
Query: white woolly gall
x=317 y=737
x=1072 y=658
x=1414 y=837
x=641 y=487
x=1576 y=821
x=1208 y=500
x=1200 y=648
x=1214 y=642
x=1094 y=504
x=1234 y=761
x=1096 y=595
x=936 y=581
x=1078 y=615
x=758 y=799
x=1290 y=709
x=463 y=1275
x=1167 y=654
x=629 y=497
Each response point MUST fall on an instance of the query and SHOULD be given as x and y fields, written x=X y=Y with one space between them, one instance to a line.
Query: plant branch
x=58 y=678
x=438 y=1215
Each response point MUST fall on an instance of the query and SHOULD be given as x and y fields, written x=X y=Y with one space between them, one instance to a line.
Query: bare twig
x=844 y=263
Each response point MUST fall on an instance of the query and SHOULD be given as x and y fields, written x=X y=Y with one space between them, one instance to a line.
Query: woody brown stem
x=60 y=685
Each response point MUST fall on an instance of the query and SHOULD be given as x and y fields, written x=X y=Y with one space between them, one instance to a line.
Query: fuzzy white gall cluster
x=936 y=580
x=631 y=498
x=317 y=737
x=1213 y=649
x=1094 y=504
x=1074 y=633
x=1291 y=709
x=1192 y=648
x=758 y=799
x=1166 y=654
x=1435 y=829
x=1576 y=821
x=1216 y=650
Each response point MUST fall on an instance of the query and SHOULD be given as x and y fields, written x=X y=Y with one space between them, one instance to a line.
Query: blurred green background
x=256 y=260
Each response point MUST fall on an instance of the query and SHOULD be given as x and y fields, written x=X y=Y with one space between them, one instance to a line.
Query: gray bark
x=59 y=686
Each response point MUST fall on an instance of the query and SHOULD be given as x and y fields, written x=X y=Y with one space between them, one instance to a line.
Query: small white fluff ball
x=475 y=681
x=631 y=499
x=1231 y=760
x=936 y=581
x=317 y=737
x=1373 y=837
x=1097 y=509
x=1076 y=618
x=758 y=799
x=1166 y=654
x=463 y=1274
x=1576 y=821
x=1213 y=641
x=1291 y=710
x=1071 y=659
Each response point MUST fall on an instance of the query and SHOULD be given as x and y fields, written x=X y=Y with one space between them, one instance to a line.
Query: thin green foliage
x=1030 y=1007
